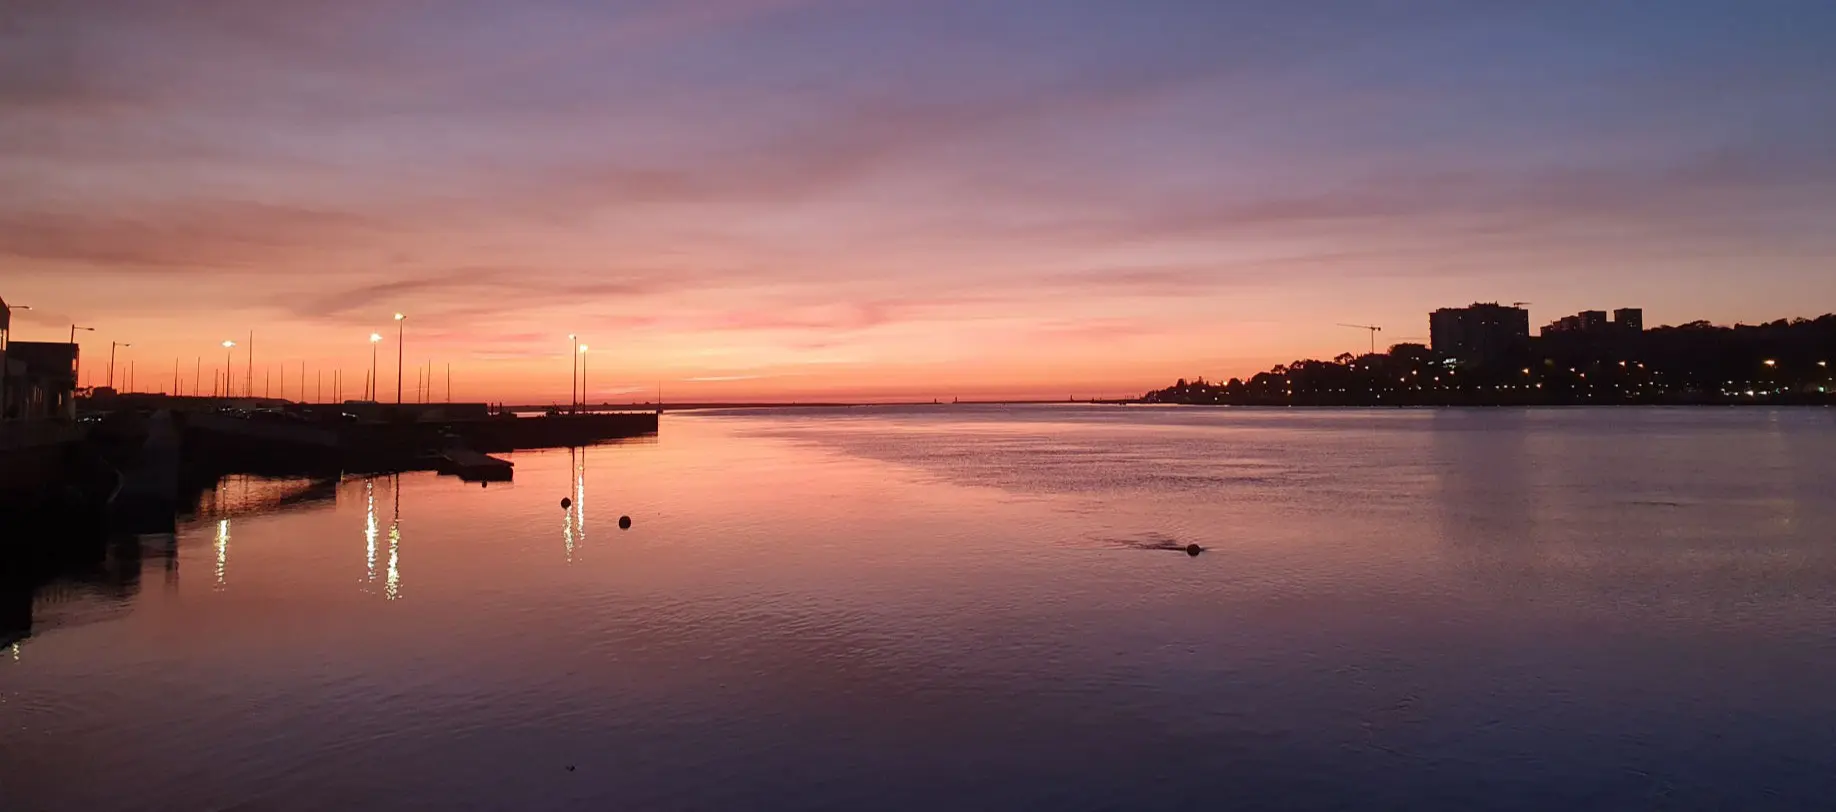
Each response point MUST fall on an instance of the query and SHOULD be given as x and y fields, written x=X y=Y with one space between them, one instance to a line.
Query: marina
x=137 y=463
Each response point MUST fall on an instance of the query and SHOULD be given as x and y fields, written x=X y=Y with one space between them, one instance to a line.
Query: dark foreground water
x=963 y=609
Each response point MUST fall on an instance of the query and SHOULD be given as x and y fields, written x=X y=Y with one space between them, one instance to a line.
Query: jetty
x=280 y=439
x=139 y=460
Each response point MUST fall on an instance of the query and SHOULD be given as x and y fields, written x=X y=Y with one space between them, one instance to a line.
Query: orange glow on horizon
x=1030 y=206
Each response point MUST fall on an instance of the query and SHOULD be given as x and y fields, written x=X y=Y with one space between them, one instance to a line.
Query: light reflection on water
x=567 y=535
x=580 y=455
x=570 y=512
x=392 y=584
x=573 y=520
x=369 y=532
x=223 y=540
x=977 y=608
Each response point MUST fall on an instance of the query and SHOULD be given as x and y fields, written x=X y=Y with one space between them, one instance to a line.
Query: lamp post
x=573 y=387
x=76 y=366
x=369 y=386
x=401 y=334
x=111 y=360
x=583 y=383
x=229 y=352
x=6 y=319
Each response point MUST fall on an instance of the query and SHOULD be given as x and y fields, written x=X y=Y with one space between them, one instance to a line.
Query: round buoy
x=624 y=522
x=566 y=503
x=1193 y=550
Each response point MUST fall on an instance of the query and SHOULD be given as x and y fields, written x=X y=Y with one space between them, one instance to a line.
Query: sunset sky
x=879 y=199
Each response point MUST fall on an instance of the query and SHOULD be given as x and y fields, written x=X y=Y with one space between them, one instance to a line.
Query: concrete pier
x=38 y=459
x=147 y=499
x=303 y=444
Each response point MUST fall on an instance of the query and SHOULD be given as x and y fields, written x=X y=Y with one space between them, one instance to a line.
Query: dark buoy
x=624 y=522
x=1193 y=550
x=566 y=503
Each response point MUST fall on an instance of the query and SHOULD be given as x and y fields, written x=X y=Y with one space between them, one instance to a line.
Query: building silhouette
x=6 y=369
x=1481 y=334
x=1595 y=323
x=40 y=380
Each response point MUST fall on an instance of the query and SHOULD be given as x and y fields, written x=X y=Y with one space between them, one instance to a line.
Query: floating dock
x=472 y=466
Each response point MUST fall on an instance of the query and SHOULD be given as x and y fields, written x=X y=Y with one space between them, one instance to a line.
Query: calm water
x=970 y=608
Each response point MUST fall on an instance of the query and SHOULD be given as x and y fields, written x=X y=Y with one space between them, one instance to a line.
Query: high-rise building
x=1592 y=320
x=1482 y=334
x=1629 y=319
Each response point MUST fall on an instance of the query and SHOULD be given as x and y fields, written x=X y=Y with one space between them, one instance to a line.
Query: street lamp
x=369 y=386
x=111 y=360
x=583 y=386
x=401 y=333
x=7 y=323
x=573 y=388
x=76 y=365
x=229 y=351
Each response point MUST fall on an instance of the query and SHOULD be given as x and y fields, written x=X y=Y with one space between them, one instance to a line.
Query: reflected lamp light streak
x=223 y=540
x=369 y=532
x=392 y=588
x=567 y=534
x=392 y=585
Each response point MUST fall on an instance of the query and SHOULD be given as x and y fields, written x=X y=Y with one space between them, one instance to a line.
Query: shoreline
x=1743 y=403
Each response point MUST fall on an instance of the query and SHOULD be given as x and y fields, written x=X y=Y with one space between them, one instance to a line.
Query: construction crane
x=1374 y=330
